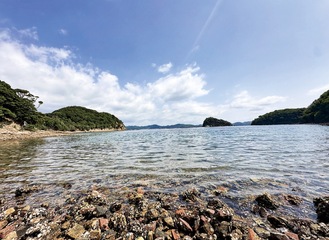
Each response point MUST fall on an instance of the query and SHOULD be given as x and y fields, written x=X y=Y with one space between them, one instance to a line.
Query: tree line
x=19 y=106
x=317 y=112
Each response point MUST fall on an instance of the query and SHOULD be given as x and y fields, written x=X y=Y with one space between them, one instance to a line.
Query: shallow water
x=246 y=160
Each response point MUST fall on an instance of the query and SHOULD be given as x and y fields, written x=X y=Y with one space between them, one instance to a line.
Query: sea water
x=245 y=160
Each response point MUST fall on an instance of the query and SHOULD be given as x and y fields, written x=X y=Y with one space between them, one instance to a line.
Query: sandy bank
x=15 y=132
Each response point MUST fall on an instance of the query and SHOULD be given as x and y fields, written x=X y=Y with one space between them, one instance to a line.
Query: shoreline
x=147 y=214
x=14 y=132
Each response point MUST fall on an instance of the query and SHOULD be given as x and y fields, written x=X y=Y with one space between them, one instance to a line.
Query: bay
x=245 y=160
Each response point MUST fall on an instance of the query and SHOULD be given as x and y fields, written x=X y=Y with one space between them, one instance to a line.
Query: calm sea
x=245 y=160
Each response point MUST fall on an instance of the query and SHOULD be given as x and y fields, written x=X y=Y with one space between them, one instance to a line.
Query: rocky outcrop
x=214 y=122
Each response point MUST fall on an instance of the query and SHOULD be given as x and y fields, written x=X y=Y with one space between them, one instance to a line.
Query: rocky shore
x=140 y=213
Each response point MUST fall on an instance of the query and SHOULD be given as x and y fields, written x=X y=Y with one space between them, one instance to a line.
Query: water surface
x=246 y=160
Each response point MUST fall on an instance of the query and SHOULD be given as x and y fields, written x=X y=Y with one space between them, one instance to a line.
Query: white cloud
x=244 y=100
x=186 y=84
x=165 y=68
x=52 y=74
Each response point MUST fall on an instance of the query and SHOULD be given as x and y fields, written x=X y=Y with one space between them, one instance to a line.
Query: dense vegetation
x=18 y=105
x=284 y=116
x=214 y=122
x=81 y=118
x=317 y=112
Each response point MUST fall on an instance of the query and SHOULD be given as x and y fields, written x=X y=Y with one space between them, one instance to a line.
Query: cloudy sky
x=167 y=62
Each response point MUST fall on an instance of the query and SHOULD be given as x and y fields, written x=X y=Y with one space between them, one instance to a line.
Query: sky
x=167 y=62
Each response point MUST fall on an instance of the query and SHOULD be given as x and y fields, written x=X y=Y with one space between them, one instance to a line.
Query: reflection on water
x=249 y=160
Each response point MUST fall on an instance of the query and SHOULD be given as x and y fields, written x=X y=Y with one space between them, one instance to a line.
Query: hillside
x=284 y=116
x=18 y=106
x=81 y=118
x=317 y=112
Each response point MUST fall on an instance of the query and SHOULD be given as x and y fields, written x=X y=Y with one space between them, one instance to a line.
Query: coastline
x=14 y=132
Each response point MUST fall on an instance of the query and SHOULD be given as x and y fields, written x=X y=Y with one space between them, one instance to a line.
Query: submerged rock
x=267 y=201
x=322 y=208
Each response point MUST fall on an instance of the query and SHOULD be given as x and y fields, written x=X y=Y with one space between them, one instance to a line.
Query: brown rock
x=267 y=201
x=76 y=231
x=175 y=234
x=9 y=211
x=3 y=223
x=4 y=232
x=293 y=200
x=252 y=235
x=169 y=221
x=11 y=236
x=278 y=236
x=185 y=225
x=104 y=224
x=292 y=236
x=225 y=214
x=95 y=234
x=277 y=222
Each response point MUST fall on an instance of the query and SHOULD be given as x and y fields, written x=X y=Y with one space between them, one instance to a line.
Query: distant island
x=18 y=106
x=317 y=113
x=214 y=122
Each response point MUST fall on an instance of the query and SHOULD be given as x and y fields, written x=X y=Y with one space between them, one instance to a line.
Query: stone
x=252 y=235
x=76 y=231
x=322 y=208
x=277 y=222
x=104 y=224
x=185 y=225
x=278 y=236
x=9 y=212
x=267 y=201
x=169 y=221
x=11 y=236
x=293 y=200
x=191 y=195
x=95 y=234
x=292 y=236
x=225 y=214
x=175 y=234
x=3 y=223
x=5 y=231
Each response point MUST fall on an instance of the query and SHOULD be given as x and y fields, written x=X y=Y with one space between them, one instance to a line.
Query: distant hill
x=18 y=105
x=81 y=118
x=214 y=122
x=155 y=126
x=317 y=112
x=242 y=123
x=284 y=116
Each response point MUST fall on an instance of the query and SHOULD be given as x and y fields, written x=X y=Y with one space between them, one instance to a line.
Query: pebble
x=142 y=215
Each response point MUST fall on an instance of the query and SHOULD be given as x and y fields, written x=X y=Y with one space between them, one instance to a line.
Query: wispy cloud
x=196 y=44
x=165 y=68
x=63 y=31
x=29 y=33
x=319 y=90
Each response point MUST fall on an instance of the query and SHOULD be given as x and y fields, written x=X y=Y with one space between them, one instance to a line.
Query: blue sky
x=167 y=62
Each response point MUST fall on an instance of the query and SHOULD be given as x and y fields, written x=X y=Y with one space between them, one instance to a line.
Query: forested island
x=317 y=112
x=18 y=106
